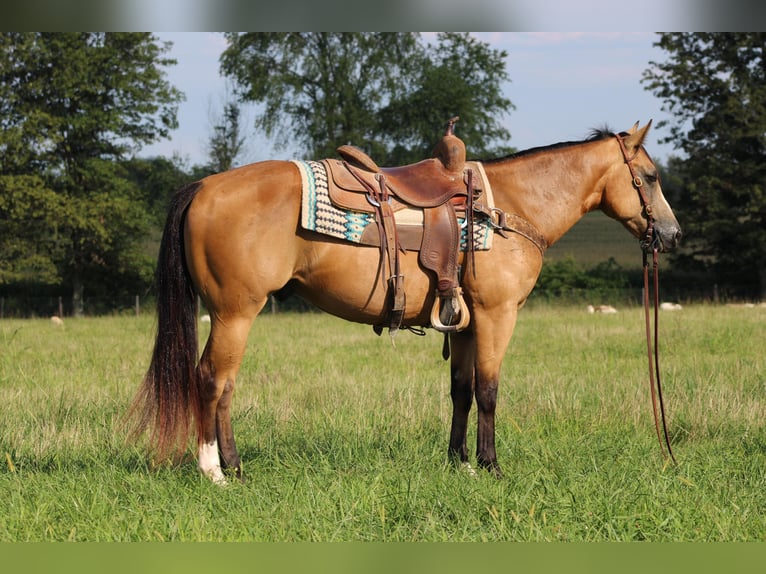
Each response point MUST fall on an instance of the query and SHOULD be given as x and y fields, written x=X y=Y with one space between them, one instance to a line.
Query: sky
x=562 y=84
x=399 y=15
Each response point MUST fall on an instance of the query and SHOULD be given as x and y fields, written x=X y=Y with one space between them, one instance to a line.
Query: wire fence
x=30 y=307
x=21 y=306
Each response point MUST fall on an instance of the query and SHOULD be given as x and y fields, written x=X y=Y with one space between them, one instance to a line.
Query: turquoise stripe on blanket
x=318 y=214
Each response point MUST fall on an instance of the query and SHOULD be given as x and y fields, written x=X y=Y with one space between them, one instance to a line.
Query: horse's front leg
x=486 y=402
x=493 y=333
x=462 y=353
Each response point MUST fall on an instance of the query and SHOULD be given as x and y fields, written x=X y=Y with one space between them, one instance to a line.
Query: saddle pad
x=318 y=214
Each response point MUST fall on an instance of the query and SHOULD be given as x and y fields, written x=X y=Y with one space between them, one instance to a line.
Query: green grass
x=344 y=437
x=596 y=238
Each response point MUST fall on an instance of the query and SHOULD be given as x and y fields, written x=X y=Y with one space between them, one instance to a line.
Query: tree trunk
x=78 y=288
x=762 y=286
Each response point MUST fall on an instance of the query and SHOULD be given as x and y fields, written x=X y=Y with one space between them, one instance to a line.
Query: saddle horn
x=451 y=149
x=451 y=126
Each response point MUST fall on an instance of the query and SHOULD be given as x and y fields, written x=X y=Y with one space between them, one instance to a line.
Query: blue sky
x=562 y=84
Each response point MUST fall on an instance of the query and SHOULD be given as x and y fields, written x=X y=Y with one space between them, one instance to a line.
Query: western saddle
x=442 y=187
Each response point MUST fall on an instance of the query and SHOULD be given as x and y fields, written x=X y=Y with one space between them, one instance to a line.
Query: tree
x=226 y=142
x=156 y=179
x=71 y=106
x=27 y=208
x=458 y=76
x=714 y=84
x=389 y=93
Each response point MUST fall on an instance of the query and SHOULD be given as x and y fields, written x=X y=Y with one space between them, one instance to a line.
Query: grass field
x=596 y=238
x=344 y=437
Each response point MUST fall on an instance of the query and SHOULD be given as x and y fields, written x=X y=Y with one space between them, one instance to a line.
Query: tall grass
x=344 y=437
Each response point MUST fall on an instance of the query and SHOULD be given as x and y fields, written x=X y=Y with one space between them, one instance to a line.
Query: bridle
x=650 y=241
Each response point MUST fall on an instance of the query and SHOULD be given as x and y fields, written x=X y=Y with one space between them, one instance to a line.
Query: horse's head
x=633 y=193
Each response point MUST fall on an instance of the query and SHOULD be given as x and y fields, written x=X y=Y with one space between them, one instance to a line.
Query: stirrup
x=462 y=309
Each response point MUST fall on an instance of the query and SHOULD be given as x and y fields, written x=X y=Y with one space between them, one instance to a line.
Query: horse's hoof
x=218 y=479
x=492 y=468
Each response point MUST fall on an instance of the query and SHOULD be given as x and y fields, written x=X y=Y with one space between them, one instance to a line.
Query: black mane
x=596 y=134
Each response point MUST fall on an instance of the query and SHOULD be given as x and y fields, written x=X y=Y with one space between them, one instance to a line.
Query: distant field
x=596 y=238
x=344 y=437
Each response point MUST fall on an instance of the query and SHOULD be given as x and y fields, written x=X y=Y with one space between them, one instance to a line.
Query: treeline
x=81 y=213
x=565 y=281
x=569 y=281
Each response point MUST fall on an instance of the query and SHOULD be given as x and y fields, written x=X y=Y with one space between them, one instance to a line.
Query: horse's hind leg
x=461 y=391
x=219 y=366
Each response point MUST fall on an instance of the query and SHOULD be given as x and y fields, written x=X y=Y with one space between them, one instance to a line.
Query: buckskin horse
x=234 y=239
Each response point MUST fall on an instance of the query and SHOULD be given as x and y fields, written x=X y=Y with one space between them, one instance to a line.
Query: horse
x=233 y=239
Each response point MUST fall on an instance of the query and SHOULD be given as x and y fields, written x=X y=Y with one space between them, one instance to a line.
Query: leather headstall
x=650 y=242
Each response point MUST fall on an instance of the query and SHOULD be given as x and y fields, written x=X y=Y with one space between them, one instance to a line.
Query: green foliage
x=319 y=89
x=72 y=105
x=458 y=76
x=29 y=213
x=388 y=93
x=566 y=278
x=226 y=141
x=81 y=96
x=714 y=84
x=154 y=181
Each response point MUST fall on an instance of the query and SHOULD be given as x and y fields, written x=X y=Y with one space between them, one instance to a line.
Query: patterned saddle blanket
x=321 y=215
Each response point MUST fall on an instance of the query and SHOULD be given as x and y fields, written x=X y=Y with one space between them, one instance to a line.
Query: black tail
x=168 y=400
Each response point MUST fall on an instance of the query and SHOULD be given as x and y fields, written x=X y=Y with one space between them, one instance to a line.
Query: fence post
x=61 y=307
x=138 y=305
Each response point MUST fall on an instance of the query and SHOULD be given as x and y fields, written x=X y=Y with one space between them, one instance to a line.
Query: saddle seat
x=423 y=184
x=427 y=183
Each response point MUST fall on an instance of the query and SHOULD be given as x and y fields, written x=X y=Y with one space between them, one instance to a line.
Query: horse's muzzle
x=665 y=238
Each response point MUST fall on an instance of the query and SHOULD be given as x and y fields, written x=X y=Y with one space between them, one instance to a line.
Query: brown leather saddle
x=442 y=187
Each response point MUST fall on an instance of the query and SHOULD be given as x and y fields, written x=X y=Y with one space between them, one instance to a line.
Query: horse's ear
x=633 y=129
x=636 y=138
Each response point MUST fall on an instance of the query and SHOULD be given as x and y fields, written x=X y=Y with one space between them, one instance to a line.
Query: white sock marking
x=209 y=463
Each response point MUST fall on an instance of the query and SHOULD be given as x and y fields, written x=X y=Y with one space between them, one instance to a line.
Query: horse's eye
x=651 y=178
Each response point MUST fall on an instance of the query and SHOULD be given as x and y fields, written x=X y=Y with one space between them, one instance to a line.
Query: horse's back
x=247 y=191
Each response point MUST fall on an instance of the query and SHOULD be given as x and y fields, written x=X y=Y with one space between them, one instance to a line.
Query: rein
x=650 y=241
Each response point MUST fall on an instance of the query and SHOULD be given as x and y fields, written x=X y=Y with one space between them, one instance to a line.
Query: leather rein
x=650 y=241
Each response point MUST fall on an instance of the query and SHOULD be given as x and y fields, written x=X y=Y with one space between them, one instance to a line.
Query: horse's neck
x=551 y=189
